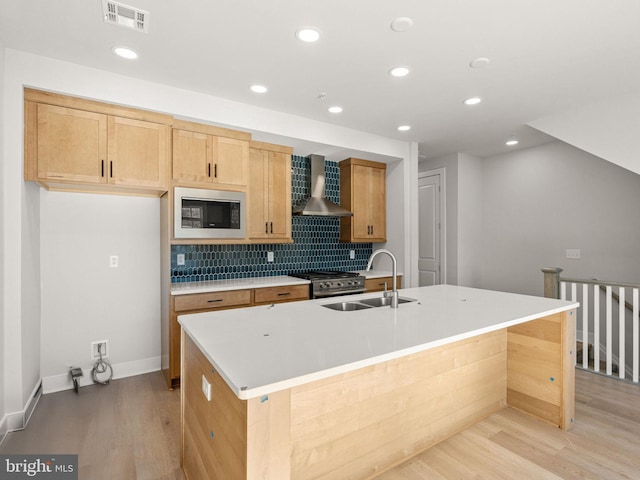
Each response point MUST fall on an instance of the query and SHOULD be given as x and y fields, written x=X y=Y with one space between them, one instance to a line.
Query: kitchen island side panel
x=360 y=423
x=541 y=368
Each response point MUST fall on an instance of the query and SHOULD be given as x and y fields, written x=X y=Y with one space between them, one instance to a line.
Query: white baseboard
x=58 y=383
x=18 y=420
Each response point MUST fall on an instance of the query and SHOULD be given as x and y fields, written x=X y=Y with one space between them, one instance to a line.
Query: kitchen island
x=302 y=391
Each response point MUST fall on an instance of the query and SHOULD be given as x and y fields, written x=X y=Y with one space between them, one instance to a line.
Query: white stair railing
x=612 y=347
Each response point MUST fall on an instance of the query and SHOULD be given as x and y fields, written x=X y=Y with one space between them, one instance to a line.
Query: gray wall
x=2 y=252
x=539 y=202
x=512 y=214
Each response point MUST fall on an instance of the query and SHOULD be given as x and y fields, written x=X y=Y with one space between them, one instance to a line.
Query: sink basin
x=347 y=306
x=366 y=303
x=384 y=301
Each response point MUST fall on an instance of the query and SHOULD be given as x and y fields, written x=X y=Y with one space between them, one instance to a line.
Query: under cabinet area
x=363 y=191
x=219 y=300
x=80 y=145
x=269 y=199
x=204 y=154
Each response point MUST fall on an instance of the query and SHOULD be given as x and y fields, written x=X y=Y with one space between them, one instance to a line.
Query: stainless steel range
x=332 y=283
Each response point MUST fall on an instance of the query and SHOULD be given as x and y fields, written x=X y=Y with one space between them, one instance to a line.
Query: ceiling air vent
x=125 y=16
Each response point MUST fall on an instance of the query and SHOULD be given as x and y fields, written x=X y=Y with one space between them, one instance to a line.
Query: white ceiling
x=547 y=56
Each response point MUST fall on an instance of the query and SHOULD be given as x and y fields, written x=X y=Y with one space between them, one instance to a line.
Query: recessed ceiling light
x=308 y=35
x=399 y=71
x=258 y=88
x=479 y=62
x=335 y=109
x=511 y=142
x=401 y=24
x=125 y=52
x=472 y=101
x=404 y=128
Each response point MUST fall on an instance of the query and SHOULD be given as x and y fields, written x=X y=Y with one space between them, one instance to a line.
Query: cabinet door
x=192 y=156
x=230 y=161
x=137 y=152
x=279 y=195
x=71 y=144
x=378 y=205
x=362 y=195
x=258 y=195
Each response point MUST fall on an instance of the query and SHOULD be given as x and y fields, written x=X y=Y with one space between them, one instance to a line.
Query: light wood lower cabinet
x=206 y=302
x=378 y=284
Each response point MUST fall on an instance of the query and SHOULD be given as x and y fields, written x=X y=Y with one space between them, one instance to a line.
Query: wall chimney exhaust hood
x=317 y=204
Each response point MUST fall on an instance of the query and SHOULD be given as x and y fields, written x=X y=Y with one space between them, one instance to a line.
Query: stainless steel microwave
x=204 y=213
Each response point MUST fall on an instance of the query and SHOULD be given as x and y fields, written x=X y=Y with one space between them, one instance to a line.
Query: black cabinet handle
x=215 y=300
x=215 y=170
x=102 y=168
x=284 y=294
x=271 y=227
x=111 y=169
x=208 y=170
x=266 y=227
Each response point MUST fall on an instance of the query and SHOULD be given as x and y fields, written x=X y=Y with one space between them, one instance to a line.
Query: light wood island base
x=361 y=423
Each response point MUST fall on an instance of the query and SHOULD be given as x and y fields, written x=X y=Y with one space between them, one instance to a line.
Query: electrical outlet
x=573 y=253
x=206 y=388
x=180 y=259
x=352 y=254
x=104 y=348
x=269 y=257
x=113 y=261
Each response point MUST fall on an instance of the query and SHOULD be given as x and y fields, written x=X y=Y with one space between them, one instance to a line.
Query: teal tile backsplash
x=315 y=244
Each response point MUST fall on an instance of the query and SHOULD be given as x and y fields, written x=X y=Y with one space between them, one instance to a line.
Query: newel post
x=552 y=282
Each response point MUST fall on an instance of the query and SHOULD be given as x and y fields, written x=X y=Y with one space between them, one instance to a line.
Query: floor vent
x=125 y=16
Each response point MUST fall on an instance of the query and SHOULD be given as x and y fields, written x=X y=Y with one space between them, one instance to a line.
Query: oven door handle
x=336 y=294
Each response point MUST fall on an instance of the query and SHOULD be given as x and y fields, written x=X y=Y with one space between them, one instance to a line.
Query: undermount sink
x=384 y=301
x=347 y=306
x=366 y=303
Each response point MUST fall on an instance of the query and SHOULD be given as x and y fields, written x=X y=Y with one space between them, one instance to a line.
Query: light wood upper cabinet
x=134 y=149
x=76 y=144
x=269 y=209
x=70 y=144
x=363 y=191
x=203 y=154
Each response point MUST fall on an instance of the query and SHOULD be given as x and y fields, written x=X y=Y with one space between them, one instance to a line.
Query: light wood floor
x=130 y=430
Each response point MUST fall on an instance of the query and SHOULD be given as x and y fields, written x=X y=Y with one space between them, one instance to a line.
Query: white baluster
x=609 y=338
x=636 y=336
x=621 y=327
x=585 y=325
x=596 y=328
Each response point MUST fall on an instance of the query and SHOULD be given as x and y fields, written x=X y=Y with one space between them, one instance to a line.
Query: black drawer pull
x=284 y=294
x=215 y=300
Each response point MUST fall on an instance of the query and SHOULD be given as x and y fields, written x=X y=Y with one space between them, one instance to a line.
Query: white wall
x=3 y=302
x=83 y=298
x=608 y=129
x=29 y=227
x=541 y=201
x=470 y=192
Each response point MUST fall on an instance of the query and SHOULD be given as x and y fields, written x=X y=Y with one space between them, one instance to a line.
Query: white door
x=429 y=212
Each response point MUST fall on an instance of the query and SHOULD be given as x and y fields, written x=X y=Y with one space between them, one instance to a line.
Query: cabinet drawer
x=282 y=294
x=377 y=284
x=199 y=301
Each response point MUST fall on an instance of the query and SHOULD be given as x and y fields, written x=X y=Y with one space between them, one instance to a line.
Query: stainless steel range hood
x=317 y=204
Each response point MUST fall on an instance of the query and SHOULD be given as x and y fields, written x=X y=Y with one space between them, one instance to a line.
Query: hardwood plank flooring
x=130 y=429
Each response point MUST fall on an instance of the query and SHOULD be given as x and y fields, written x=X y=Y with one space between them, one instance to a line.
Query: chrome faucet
x=394 y=293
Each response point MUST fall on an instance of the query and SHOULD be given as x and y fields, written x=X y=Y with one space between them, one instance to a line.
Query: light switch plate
x=269 y=256
x=206 y=388
x=573 y=253
x=180 y=259
x=352 y=254
x=113 y=261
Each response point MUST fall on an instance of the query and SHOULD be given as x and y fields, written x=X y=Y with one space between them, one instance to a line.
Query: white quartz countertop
x=264 y=349
x=187 y=288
